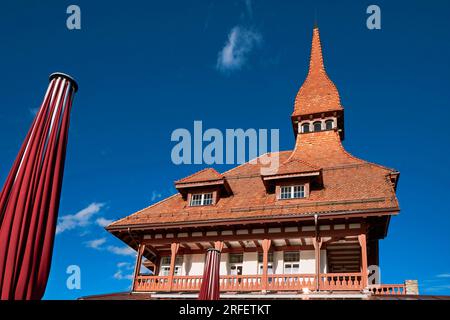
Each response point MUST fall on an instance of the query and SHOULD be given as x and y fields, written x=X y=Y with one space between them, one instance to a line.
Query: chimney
x=412 y=287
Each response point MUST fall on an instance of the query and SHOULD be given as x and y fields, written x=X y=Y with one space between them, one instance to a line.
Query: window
x=305 y=128
x=201 y=199
x=292 y=192
x=329 y=124
x=235 y=261
x=236 y=257
x=269 y=263
x=291 y=262
x=317 y=126
x=165 y=265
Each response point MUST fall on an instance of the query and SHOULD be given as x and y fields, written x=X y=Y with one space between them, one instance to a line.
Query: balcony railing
x=388 y=289
x=249 y=283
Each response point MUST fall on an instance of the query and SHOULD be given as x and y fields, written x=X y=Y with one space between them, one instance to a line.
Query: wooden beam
x=252 y=236
x=241 y=250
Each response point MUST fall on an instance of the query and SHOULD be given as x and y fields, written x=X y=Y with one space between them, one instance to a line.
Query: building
x=311 y=227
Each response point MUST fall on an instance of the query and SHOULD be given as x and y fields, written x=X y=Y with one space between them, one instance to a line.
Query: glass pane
x=299 y=191
x=329 y=124
x=236 y=258
x=196 y=200
x=207 y=199
x=292 y=256
x=317 y=126
x=305 y=127
x=285 y=192
x=165 y=260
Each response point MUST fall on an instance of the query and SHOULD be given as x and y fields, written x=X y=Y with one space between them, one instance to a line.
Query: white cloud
x=241 y=41
x=96 y=243
x=122 y=251
x=102 y=222
x=123 y=271
x=155 y=195
x=443 y=275
x=80 y=219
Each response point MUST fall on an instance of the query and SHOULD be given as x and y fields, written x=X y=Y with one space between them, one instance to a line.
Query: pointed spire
x=316 y=58
x=318 y=93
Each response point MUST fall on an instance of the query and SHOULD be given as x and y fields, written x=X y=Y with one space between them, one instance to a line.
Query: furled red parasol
x=210 y=283
x=29 y=200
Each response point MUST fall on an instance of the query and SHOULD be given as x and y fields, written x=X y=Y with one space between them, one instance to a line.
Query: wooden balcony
x=253 y=283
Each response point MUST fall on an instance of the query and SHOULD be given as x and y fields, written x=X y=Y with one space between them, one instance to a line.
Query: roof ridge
x=242 y=164
x=138 y=212
x=197 y=173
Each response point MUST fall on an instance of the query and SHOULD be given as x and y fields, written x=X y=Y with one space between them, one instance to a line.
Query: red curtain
x=29 y=200
x=210 y=289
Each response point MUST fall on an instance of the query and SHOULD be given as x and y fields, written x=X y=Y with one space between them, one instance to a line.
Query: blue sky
x=149 y=67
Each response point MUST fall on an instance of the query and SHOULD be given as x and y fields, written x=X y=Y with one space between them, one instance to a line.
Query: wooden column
x=363 y=243
x=137 y=266
x=218 y=245
x=317 y=242
x=173 y=250
x=265 y=246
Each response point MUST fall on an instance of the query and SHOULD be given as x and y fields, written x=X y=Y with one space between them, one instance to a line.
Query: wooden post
x=265 y=246
x=173 y=250
x=218 y=245
x=137 y=266
x=363 y=243
x=317 y=242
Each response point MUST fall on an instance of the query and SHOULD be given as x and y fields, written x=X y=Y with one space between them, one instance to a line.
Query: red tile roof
x=208 y=174
x=318 y=93
x=350 y=185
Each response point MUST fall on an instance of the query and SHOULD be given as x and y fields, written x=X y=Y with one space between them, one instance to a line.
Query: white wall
x=224 y=270
x=278 y=261
x=250 y=264
x=193 y=265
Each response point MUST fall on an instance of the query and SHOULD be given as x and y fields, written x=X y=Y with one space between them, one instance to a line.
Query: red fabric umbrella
x=29 y=200
x=210 y=289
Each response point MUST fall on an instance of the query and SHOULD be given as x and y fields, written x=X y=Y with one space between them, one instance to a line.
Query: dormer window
x=292 y=192
x=201 y=199
x=317 y=126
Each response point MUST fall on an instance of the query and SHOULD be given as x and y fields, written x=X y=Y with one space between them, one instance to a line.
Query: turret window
x=317 y=126
x=201 y=199
x=329 y=124
x=305 y=128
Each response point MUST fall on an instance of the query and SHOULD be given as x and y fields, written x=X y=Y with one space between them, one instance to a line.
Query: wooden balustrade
x=291 y=282
x=341 y=281
x=275 y=282
x=388 y=289
x=241 y=283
